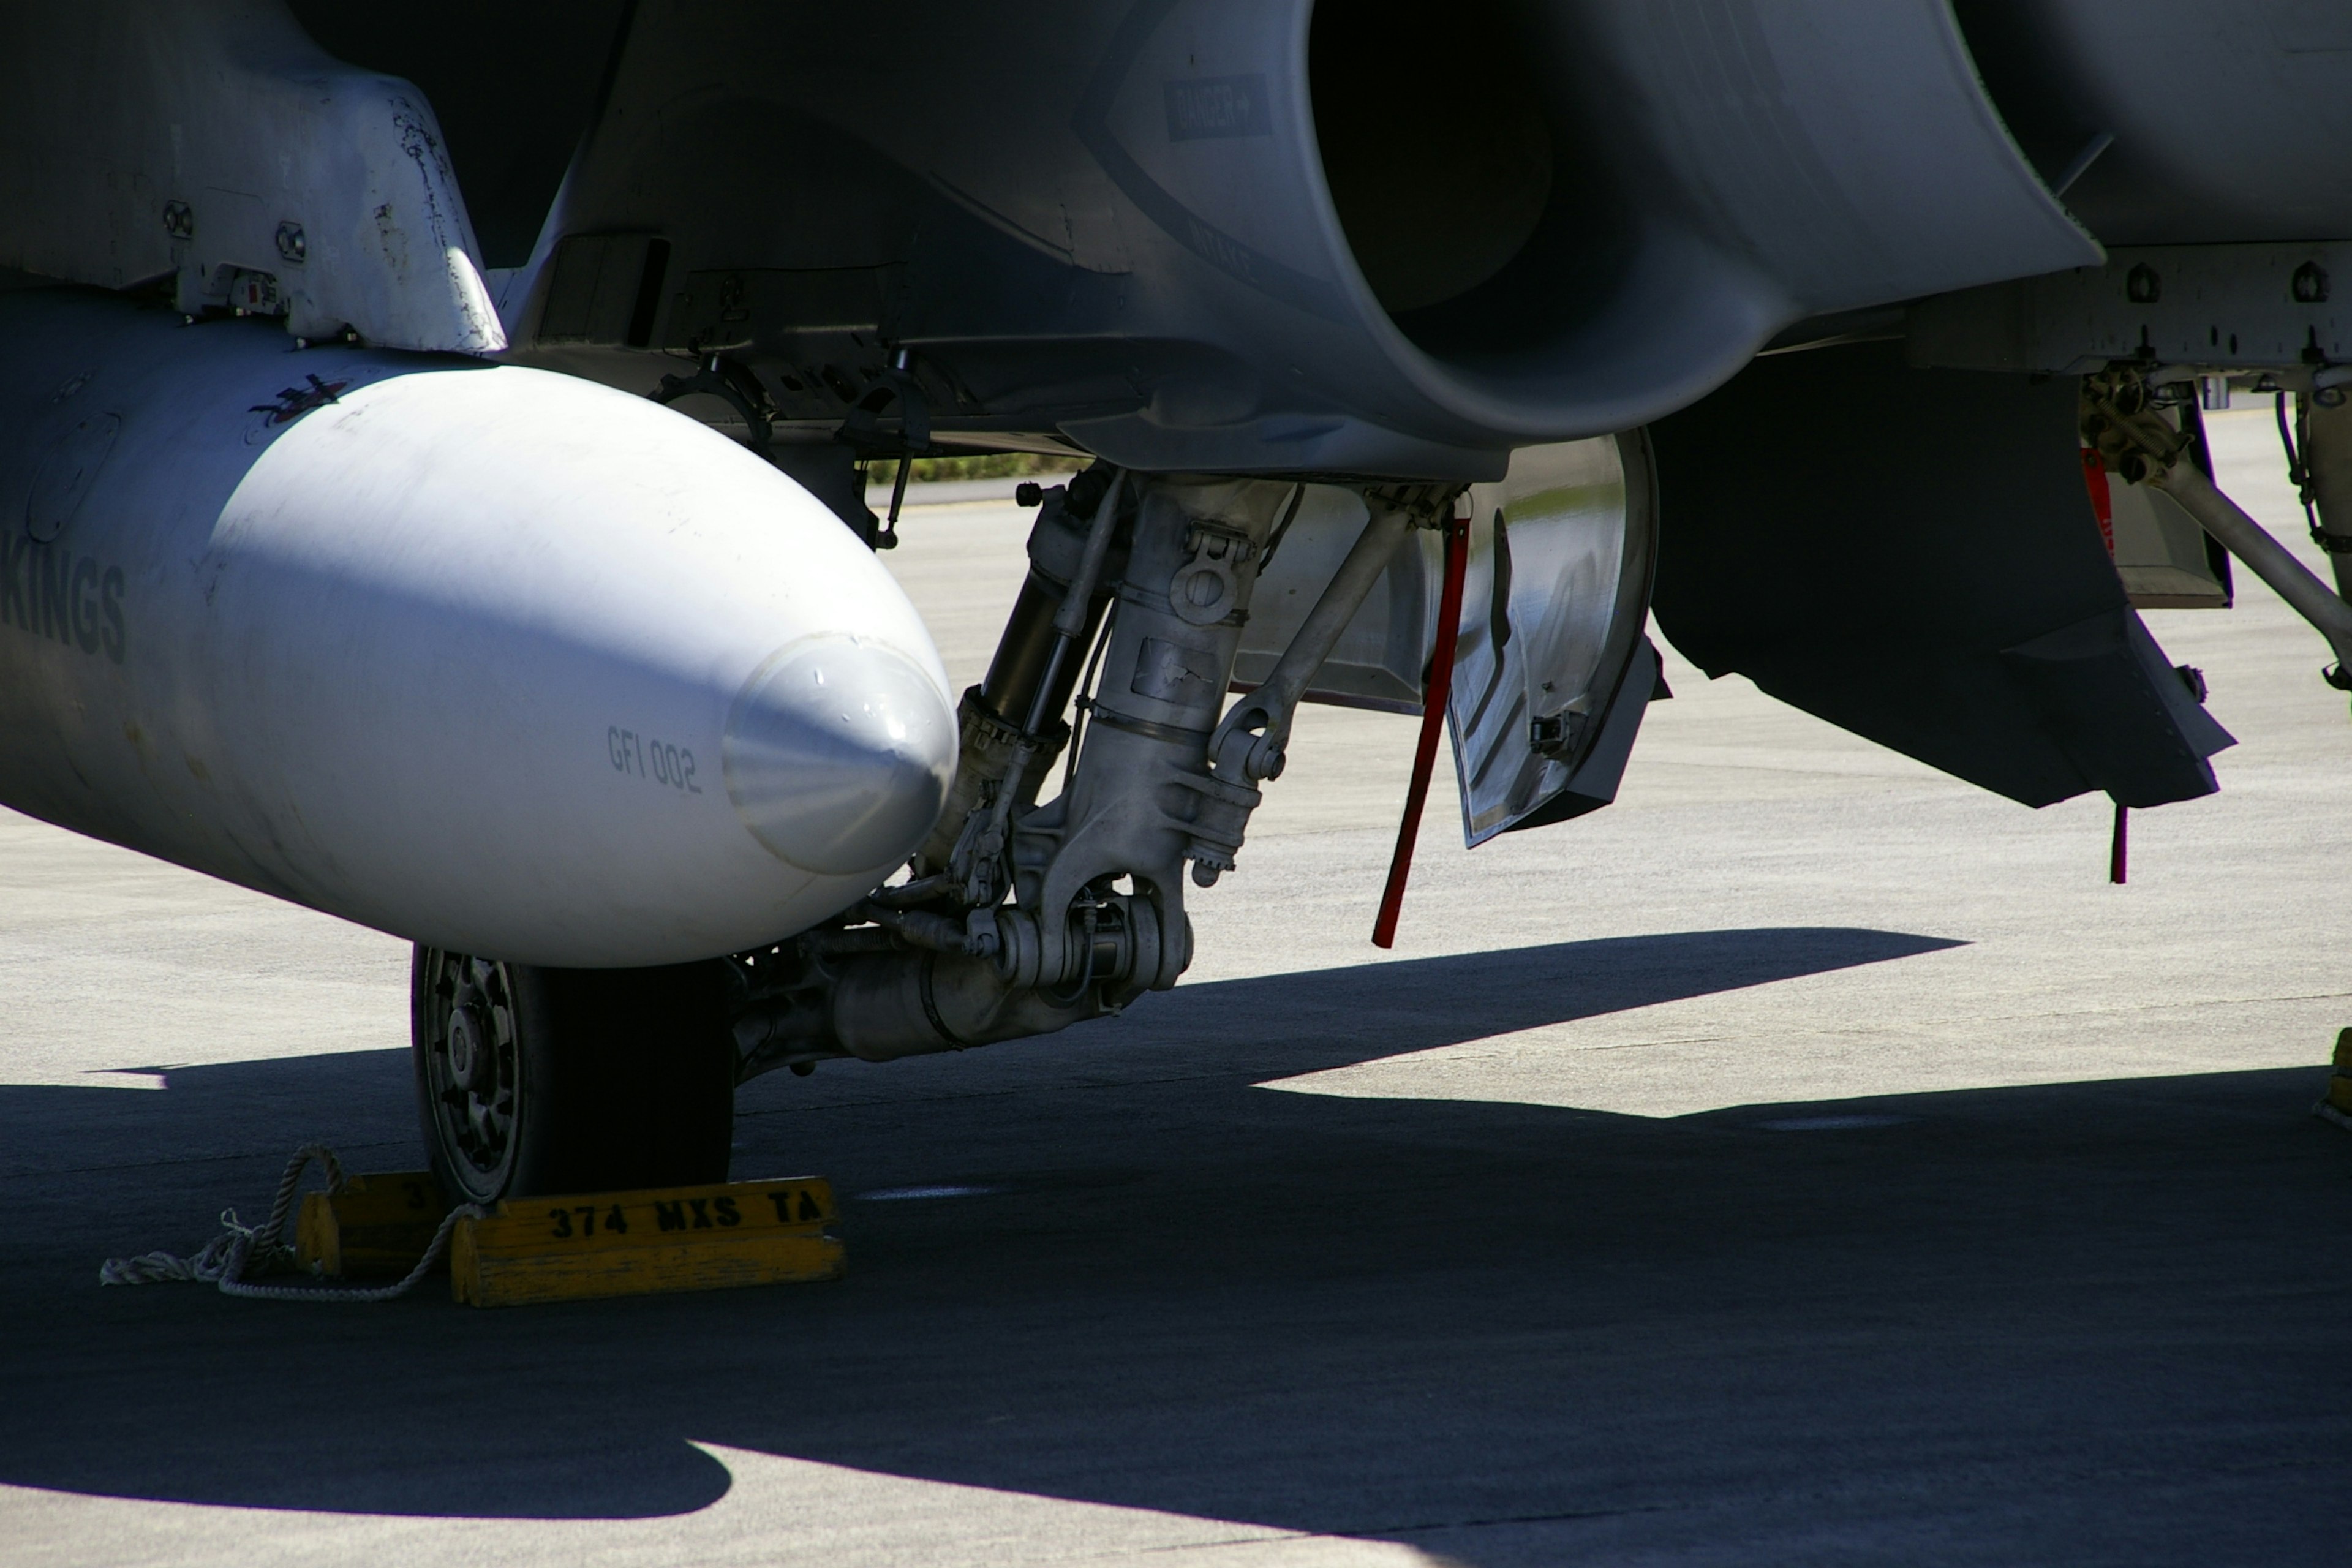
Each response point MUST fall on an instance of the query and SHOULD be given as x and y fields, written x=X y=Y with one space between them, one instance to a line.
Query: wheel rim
x=473 y=1072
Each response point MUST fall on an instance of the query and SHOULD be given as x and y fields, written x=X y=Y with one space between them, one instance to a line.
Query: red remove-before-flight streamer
x=1435 y=688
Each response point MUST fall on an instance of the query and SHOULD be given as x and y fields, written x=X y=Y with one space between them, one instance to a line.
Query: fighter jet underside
x=435 y=444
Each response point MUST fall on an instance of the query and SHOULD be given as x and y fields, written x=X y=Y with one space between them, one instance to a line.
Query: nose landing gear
x=545 y=1080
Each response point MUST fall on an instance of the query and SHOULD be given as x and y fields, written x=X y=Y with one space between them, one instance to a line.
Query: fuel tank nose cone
x=838 y=755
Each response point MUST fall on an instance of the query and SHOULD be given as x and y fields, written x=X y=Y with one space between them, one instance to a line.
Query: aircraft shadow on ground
x=1366 y=1316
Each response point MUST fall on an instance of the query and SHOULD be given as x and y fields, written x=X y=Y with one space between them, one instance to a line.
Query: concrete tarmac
x=1809 y=1159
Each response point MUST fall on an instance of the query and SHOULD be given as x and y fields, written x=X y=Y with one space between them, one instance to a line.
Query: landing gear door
x=1552 y=669
x=1378 y=659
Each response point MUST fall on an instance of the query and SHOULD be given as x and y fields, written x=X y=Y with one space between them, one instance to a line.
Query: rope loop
x=240 y=1249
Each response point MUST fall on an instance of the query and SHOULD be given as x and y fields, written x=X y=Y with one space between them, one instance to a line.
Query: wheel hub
x=473 y=1068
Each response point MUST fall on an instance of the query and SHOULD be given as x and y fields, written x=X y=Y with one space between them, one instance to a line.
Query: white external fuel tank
x=490 y=659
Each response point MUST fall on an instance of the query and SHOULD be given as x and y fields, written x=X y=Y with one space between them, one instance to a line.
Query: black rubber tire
x=624 y=1079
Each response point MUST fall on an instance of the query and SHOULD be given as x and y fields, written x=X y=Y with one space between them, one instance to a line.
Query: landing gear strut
x=1018 y=919
x=554 y=1080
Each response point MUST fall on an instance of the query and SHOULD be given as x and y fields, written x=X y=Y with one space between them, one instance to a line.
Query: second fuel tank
x=484 y=657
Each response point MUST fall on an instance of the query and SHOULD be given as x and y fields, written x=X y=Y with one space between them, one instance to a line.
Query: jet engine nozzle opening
x=1436 y=142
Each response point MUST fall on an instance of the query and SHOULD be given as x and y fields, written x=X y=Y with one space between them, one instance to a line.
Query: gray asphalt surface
x=1809 y=1159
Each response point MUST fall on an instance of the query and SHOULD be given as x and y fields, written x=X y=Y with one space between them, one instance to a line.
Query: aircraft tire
x=534 y=1080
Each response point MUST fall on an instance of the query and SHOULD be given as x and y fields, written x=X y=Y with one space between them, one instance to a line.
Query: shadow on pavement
x=2072 y=1310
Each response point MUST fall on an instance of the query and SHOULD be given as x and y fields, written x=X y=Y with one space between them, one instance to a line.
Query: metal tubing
x=2327 y=459
x=1277 y=698
x=1319 y=633
x=1070 y=621
x=2247 y=540
x=1025 y=653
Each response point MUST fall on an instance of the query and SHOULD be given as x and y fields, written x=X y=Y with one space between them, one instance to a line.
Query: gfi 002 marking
x=646 y=758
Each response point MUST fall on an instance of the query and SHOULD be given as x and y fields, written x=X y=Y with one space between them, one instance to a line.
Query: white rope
x=151 y=1268
x=226 y=1258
